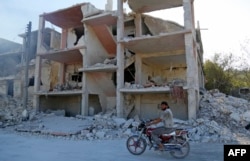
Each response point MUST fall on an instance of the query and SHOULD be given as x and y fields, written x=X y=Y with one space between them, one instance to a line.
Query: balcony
x=66 y=56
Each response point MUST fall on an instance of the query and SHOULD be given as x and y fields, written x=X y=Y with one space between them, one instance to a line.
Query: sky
x=225 y=23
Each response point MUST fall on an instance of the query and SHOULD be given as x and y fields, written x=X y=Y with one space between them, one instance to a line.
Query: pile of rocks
x=108 y=126
x=221 y=118
x=11 y=111
x=100 y=126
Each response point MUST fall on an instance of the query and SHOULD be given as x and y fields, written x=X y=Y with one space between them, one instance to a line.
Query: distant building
x=10 y=56
x=12 y=61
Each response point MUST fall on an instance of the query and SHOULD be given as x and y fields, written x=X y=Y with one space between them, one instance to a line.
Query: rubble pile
x=107 y=126
x=11 y=111
x=100 y=126
x=221 y=118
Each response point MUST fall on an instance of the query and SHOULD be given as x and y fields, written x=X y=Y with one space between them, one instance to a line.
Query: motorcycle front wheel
x=136 y=145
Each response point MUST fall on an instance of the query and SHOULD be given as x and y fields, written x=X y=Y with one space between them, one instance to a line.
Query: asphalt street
x=16 y=147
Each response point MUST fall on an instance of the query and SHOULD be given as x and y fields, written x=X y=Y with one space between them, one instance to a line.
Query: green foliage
x=220 y=73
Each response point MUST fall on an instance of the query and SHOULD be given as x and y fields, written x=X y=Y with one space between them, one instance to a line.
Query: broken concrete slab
x=89 y=10
x=142 y=6
x=157 y=26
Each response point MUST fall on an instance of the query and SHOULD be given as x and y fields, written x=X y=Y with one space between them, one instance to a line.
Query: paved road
x=15 y=147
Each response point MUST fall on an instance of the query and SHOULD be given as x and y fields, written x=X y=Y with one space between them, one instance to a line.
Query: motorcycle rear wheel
x=136 y=145
x=183 y=151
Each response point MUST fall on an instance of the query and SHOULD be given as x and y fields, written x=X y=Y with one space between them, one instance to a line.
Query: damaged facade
x=13 y=61
x=10 y=55
x=104 y=60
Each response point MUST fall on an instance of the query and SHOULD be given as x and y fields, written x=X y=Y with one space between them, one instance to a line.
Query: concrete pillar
x=138 y=25
x=61 y=73
x=120 y=60
x=38 y=65
x=85 y=93
x=85 y=96
x=64 y=38
x=138 y=62
x=191 y=59
x=138 y=68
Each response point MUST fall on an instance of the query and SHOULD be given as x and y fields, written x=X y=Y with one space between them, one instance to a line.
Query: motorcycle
x=176 y=142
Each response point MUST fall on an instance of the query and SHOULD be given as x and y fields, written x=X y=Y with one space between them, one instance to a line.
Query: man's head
x=164 y=105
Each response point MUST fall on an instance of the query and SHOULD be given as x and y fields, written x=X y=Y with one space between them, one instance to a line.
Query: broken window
x=32 y=81
x=79 y=32
x=77 y=77
x=129 y=74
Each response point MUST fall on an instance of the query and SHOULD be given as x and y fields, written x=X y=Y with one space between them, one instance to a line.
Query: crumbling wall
x=162 y=74
x=102 y=85
x=149 y=106
x=71 y=104
x=72 y=77
x=96 y=53
x=174 y=73
x=99 y=83
x=75 y=37
x=51 y=80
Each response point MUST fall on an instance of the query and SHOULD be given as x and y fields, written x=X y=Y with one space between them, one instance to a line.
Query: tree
x=219 y=73
x=226 y=73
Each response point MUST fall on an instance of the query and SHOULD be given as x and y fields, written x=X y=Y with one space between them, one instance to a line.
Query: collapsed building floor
x=104 y=60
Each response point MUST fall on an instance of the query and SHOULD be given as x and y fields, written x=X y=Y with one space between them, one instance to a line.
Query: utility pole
x=26 y=66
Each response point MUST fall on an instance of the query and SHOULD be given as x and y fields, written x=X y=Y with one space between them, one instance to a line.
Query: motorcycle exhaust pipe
x=169 y=145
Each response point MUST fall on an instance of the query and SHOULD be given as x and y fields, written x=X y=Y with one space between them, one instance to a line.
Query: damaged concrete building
x=13 y=60
x=110 y=60
x=10 y=55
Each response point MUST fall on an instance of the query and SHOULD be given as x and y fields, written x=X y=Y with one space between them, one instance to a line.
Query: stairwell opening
x=129 y=74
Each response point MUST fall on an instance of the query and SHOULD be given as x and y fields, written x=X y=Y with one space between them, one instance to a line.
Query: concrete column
x=61 y=73
x=85 y=96
x=64 y=37
x=191 y=59
x=38 y=65
x=138 y=62
x=138 y=25
x=85 y=93
x=138 y=68
x=138 y=80
x=120 y=60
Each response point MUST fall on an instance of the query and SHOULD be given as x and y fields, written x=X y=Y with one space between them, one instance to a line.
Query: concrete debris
x=110 y=61
x=25 y=115
x=66 y=86
x=221 y=118
x=12 y=112
x=133 y=85
x=157 y=81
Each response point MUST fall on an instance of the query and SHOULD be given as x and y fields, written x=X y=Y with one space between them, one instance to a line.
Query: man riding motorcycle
x=164 y=124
